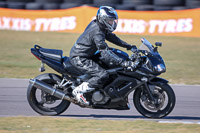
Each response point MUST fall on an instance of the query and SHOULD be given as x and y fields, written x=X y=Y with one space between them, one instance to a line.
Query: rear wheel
x=163 y=104
x=43 y=103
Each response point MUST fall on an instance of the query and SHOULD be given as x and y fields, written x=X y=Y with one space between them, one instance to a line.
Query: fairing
x=154 y=61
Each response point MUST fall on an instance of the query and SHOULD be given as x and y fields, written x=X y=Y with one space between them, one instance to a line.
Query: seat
x=52 y=53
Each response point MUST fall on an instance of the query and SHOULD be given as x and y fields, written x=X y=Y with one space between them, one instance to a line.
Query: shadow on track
x=182 y=118
x=104 y=116
x=128 y=117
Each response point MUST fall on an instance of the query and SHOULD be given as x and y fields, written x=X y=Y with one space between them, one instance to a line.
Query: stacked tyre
x=34 y=6
x=161 y=5
x=193 y=3
x=134 y=5
x=112 y=3
x=72 y=3
x=42 y=4
x=3 y=4
x=137 y=2
x=15 y=4
x=140 y=5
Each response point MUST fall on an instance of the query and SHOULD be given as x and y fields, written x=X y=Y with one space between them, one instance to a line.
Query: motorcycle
x=51 y=94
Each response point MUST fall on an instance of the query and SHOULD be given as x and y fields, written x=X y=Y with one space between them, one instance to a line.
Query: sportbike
x=51 y=94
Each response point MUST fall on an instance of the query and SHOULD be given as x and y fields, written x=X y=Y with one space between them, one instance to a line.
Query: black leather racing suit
x=91 y=40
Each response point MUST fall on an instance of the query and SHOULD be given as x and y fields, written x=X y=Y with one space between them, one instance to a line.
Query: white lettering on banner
x=153 y=23
x=68 y=23
x=136 y=26
x=180 y=25
x=171 y=26
x=15 y=23
x=188 y=25
x=153 y=26
x=55 y=24
x=25 y=24
x=131 y=26
x=41 y=24
x=6 y=23
x=0 y=23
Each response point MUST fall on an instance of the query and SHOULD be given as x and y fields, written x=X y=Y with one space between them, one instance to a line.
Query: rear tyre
x=165 y=101
x=44 y=103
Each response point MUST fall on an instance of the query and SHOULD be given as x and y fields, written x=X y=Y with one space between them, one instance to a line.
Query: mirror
x=158 y=44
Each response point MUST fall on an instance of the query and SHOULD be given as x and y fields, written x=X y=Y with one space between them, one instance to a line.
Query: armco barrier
x=171 y=23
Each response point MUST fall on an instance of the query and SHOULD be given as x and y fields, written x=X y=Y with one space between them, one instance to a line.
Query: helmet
x=107 y=18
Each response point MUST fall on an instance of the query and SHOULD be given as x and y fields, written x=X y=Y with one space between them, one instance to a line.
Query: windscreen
x=146 y=45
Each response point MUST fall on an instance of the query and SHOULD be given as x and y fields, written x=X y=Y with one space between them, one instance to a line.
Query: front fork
x=149 y=90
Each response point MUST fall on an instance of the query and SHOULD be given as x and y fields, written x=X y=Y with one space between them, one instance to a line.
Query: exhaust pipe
x=48 y=89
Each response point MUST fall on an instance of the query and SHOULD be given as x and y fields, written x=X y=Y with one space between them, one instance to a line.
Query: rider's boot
x=80 y=90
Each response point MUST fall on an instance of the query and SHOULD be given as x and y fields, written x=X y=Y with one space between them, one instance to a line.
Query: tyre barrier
x=106 y=2
x=168 y=2
x=3 y=4
x=50 y=6
x=25 y=1
x=34 y=6
x=193 y=3
x=69 y=5
x=179 y=8
x=103 y=4
x=144 y=8
x=139 y=5
x=137 y=2
x=125 y=7
x=162 y=8
x=48 y=1
x=16 y=5
x=88 y=1
x=74 y=1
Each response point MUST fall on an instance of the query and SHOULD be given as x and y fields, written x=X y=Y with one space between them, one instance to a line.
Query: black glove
x=131 y=47
x=129 y=65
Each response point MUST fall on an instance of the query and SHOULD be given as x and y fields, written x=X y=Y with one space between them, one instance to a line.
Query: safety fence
x=170 y=23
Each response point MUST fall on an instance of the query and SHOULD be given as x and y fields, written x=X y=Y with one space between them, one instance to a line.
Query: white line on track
x=182 y=122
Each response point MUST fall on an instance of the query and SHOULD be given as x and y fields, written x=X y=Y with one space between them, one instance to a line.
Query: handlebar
x=136 y=56
x=137 y=51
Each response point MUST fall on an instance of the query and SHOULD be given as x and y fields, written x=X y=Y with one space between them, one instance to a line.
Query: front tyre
x=164 y=97
x=43 y=103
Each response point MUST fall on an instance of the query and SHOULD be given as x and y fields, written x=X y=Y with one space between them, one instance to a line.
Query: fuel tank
x=119 y=53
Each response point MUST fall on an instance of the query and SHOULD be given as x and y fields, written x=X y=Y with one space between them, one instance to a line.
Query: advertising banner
x=170 y=23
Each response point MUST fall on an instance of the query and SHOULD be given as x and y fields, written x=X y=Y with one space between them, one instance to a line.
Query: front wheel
x=163 y=104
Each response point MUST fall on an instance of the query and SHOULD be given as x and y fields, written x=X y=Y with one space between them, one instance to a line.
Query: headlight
x=160 y=68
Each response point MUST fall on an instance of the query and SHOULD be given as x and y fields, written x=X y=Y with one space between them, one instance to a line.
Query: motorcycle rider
x=91 y=40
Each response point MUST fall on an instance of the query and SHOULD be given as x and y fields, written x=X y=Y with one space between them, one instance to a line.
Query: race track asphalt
x=13 y=102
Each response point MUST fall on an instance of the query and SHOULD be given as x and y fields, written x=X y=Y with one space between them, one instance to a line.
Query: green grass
x=65 y=125
x=181 y=54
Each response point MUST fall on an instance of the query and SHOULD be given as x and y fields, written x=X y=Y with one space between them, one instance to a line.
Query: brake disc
x=47 y=98
x=159 y=96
